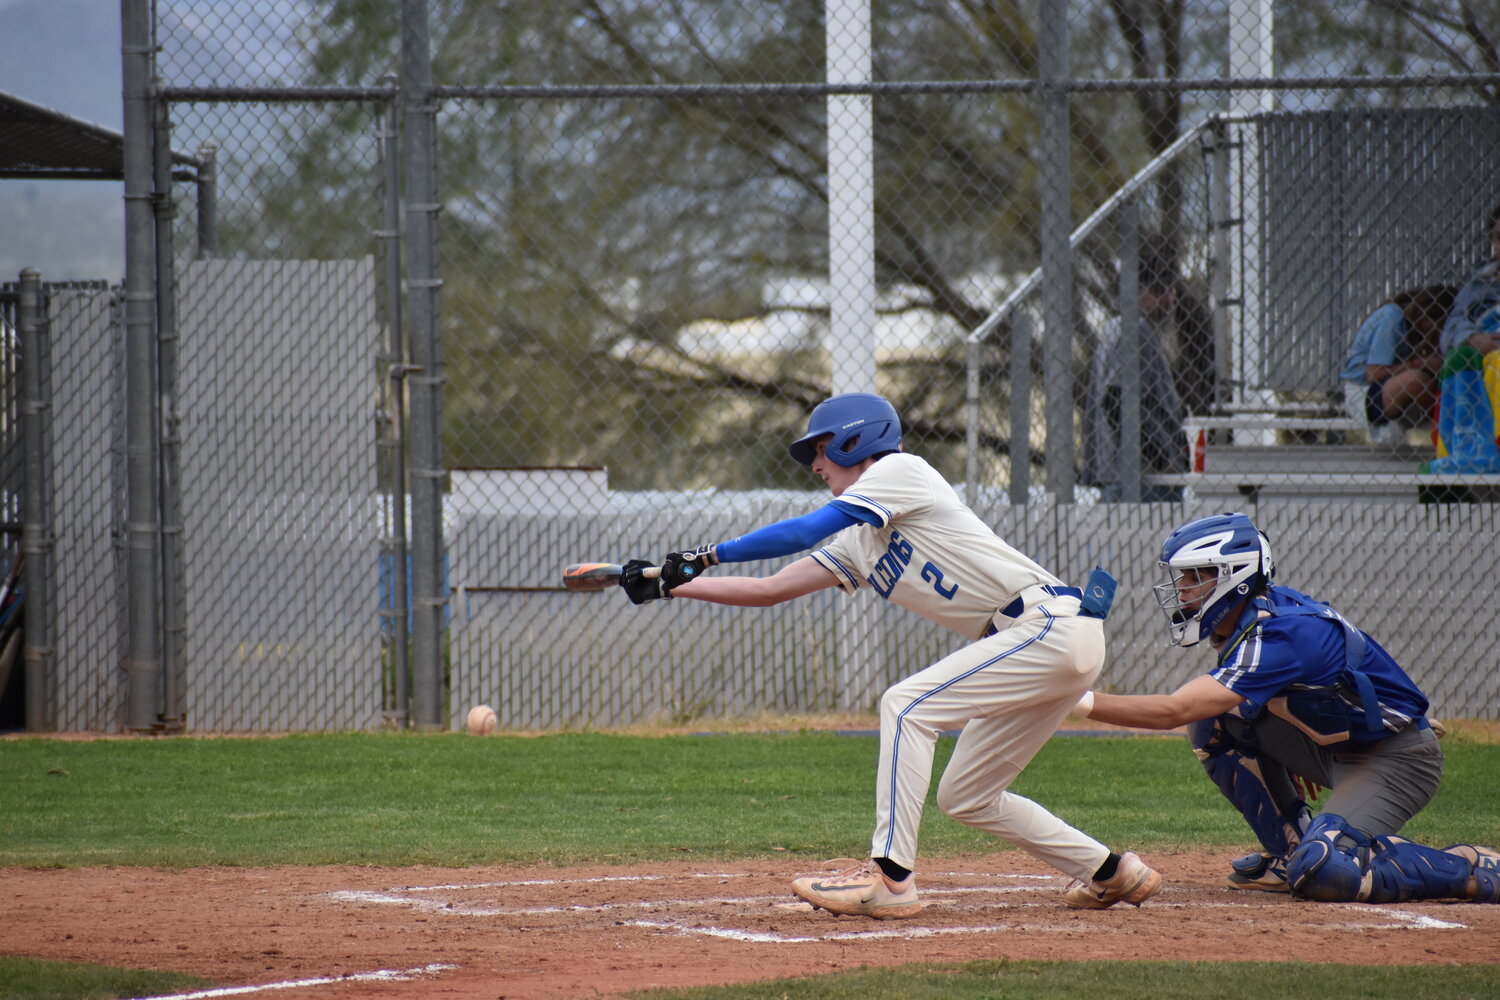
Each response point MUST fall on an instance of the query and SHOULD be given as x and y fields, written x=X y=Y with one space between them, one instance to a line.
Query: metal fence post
x=973 y=361
x=1057 y=266
x=208 y=201
x=1221 y=262
x=1251 y=55
x=143 y=653
x=1132 y=330
x=393 y=440
x=36 y=524
x=1020 y=407
x=173 y=572
x=851 y=200
x=429 y=589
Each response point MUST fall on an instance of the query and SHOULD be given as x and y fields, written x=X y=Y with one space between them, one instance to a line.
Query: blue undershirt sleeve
x=787 y=537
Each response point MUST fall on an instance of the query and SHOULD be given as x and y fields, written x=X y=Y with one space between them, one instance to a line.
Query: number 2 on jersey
x=935 y=576
x=889 y=567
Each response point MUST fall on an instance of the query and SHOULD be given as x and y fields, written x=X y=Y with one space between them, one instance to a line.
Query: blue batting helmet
x=862 y=424
x=1237 y=552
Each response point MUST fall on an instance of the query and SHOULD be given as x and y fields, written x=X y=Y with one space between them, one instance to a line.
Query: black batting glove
x=639 y=587
x=682 y=567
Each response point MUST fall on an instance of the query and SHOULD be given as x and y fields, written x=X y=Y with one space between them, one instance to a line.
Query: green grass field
x=33 y=979
x=453 y=800
x=1002 y=980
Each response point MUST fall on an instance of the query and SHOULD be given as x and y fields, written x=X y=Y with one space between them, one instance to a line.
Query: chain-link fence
x=13 y=453
x=63 y=593
x=584 y=270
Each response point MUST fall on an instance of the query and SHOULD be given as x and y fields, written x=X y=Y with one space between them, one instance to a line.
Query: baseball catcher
x=1300 y=696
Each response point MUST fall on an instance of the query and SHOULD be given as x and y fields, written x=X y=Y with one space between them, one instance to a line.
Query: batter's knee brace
x=1321 y=870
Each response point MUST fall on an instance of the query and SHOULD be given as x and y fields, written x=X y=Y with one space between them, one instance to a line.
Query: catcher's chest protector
x=1348 y=712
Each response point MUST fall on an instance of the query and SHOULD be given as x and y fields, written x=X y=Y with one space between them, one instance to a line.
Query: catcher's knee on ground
x=1387 y=869
x=1322 y=870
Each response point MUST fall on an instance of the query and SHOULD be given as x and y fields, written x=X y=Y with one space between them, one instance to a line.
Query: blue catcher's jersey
x=1292 y=660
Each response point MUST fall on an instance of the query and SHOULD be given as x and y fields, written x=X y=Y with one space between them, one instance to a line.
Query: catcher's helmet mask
x=862 y=425
x=1239 y=556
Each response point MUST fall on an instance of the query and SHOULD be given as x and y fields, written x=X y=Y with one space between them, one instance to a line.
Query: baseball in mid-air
x=482 y=720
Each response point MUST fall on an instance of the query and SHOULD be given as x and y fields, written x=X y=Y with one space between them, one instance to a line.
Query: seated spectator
x=1466 y=432
x=1390 y=375
x=1478 y=295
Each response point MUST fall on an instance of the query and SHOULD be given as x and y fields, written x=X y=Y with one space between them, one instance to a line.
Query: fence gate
x=281 y=517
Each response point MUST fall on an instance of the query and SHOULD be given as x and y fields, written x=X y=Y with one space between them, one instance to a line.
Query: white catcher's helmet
x=1237 y=552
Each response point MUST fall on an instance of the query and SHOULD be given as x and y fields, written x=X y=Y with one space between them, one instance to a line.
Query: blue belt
x=1018 y=606
x=1015 y=608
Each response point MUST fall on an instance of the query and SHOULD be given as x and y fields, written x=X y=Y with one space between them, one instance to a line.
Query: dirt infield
x=545 y=933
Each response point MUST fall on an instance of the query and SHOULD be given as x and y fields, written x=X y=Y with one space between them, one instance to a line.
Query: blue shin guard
x=1238 y=776
x=1388 y=870
x=1402 y=871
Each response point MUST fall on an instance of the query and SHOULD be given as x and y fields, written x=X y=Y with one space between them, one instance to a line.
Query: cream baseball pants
x=1008 y=692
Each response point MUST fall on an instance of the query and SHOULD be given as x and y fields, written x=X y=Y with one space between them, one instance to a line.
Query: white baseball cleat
x=861 y=891
x=1134 y=882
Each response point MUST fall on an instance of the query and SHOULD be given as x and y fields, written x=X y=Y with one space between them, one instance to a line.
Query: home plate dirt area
x=492 y=932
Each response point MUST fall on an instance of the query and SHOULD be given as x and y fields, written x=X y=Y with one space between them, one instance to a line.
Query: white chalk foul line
x=1403 y=920
x=762 y=937
x=1419 y=921
x=663 y=878
x=570 y=881
x=380 y=975
x=434 y=906
x=1391 y=919
x=1399 y=919
x=397 y=897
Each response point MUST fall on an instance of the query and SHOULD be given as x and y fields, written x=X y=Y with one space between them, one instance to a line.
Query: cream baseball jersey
x=921 y=548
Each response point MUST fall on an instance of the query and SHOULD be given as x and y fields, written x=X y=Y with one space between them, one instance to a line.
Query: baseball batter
x=898 y=528
x=1298 y=691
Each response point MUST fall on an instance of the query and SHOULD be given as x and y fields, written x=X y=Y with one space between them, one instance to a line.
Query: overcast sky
x=64 y=54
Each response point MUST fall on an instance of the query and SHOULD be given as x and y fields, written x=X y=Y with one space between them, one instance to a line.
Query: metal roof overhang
x=39 y=142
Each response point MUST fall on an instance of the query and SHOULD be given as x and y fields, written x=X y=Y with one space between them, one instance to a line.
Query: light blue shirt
x=1381 y=340
x=1475 y=298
